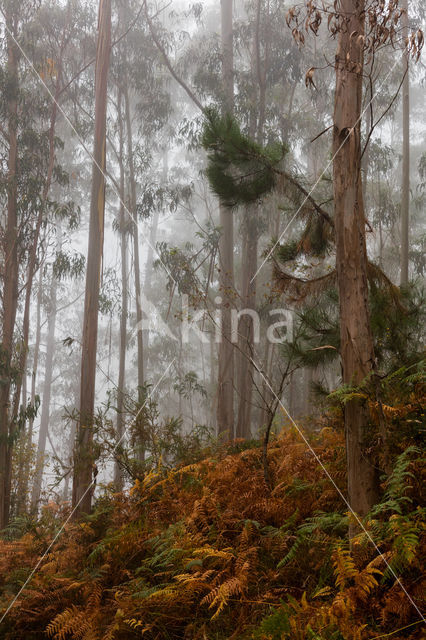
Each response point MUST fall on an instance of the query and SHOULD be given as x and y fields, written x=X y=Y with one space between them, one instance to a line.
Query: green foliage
x=239 y=170
x=395 y=498
x=274 y=626
x=316 y=337
x=68 y=265
x=189 y=386
x=397 y=321
x=322 y=528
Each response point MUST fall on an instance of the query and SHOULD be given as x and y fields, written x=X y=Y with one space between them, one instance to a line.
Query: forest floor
x=209 y=551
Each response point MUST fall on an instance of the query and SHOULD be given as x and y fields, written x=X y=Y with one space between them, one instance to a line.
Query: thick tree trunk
x=351 y=257
x=83 y=462
x=10 y=284
x=405 y=196
x=47 y=389
x=225 y=406
x=118 y=475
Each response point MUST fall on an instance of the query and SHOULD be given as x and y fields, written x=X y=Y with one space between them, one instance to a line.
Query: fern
x=70 y=621
x=321 y=523
x=394 y=498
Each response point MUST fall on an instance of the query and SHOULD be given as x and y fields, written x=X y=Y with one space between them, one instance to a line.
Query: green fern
x=317 y=529
x=394 y=498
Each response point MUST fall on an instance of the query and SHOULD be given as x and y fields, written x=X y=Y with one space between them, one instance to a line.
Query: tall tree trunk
x=351 y=256
x=83 y=463
x=249 y=248
x=118 y=475
x=246 y=333
x=47 y=388
x=23 y=485
x=10 y=285
x=225 y=406
x=150 y=255
x=405 y=200
x=140 y=453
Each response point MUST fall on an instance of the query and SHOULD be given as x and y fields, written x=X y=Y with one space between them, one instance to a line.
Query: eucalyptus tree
x=83 y=464
x=226 y=362
x=29 y=169
x=405 y=195
x=228 y=148
x=62 y=267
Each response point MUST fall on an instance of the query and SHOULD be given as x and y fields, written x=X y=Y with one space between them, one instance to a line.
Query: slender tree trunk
x=118 y=475
x=71 y=443
x=351 y=256
x=150 y=256
x=23 y=486
x=23 y=440
x=249 y=248
x=137 y=271
x=266 y=393
x=225 y=407
x=291 y=396
x=10 y=285
x=83 y=463
x=405 y=200
x=213 y=376
x=47 y=389
x=246 y=333
x=70 y=458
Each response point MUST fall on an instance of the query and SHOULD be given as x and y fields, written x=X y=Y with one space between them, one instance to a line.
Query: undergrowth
x=208 y=551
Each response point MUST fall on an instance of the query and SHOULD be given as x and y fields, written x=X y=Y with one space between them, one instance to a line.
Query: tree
x=250 y=229
x=47 y=385
x=84 y=455
x=11 y=267
x=122 y=225
x=356 y=342
x=405 y=196
x=241 y=171
x=226 y=382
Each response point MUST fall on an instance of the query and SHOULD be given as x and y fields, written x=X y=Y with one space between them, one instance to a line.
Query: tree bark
x=150 y=256
x=10 y=284
x=246 y=333
x=47 y=389
x=118 y=475
x=83 y=461
x=23 y=484
x=250 y=245
x=405 y=196
x=140 y=453
x=225 y=406
x=351 y=256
